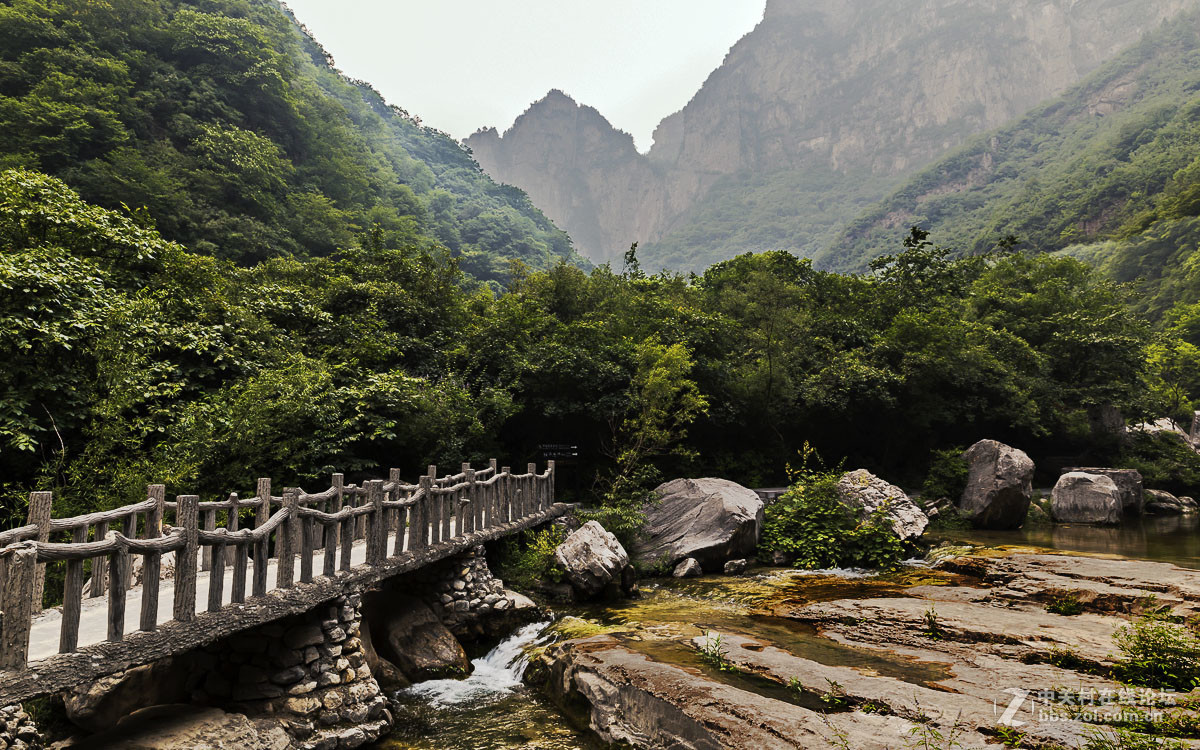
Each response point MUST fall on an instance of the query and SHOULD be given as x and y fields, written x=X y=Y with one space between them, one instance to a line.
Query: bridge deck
x=93 y=622
x=48 y=671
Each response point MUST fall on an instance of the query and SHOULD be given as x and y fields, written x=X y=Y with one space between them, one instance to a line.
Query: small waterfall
x=495 y=675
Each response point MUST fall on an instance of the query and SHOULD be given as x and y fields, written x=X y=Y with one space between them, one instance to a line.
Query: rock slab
x=1086 y=498
x=1128 y=481
x=592 y=559
x=712 y=520
x=999 y=486
x=868 y=494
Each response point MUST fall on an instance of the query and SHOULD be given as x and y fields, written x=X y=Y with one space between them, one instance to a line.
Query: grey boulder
x=592 y=559
x=867 y=494
x=1128 y=481
x=418 y=644
x=999 y=486
x=1086 y=498
x=711 y=520
x=1159 y=503
x=689 y=568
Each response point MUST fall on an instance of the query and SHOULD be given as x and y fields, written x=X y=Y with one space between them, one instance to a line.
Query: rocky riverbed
x=964 y=648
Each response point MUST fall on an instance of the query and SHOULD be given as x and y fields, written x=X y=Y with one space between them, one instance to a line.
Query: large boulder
x=999 y=486
x=185 y=727
x=1086 y=498
x=1128 y=481
x=99 y=705
x=712 y=520
x=1159 y=503
x=414 y=639
x=592 y=559
x=867 y=493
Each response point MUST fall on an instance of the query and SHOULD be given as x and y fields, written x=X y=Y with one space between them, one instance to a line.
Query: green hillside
x=228 y=124
x=1110 y=172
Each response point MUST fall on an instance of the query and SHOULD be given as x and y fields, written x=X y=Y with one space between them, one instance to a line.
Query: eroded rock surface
x=592 y=559
x=712 y=520
x=628 y=698
x=1086 y=498
x=999 y=486
x=868 y=494
x=183 y=727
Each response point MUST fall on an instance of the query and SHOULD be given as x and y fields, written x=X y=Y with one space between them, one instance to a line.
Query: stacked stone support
x=309 y=672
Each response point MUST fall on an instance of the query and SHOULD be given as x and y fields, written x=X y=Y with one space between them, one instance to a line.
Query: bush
x=1157 y=653
x=1164 y=462
x=810 y=523
x=528 y=559
x=947 y=475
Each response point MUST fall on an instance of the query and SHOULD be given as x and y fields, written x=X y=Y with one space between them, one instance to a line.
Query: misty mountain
x=819 y=112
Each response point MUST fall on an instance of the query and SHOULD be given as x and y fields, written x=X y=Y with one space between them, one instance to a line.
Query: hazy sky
x=465 y=64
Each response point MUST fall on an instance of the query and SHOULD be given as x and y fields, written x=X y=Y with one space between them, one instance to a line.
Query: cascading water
x=491 y=709
x=496 y=674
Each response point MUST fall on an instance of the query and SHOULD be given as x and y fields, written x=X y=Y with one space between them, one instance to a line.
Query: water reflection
x=1171 y=539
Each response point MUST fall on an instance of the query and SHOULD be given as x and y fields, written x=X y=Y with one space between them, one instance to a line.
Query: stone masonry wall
x=308 y=672
x=470 y=601
x=17 y=730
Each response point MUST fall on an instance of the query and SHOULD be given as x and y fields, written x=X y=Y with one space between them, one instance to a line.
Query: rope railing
x=342 y=528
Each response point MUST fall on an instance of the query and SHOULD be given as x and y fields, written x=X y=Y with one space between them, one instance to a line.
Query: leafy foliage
x=229 y=125
x=947 y=477
x=1157 y=653
x=526 y=560
x=811 y=523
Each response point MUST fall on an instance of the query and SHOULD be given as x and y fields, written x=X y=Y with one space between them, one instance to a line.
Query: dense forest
x=226 y=124
x=221 y=261
x=131 y=359
x=1110 y=173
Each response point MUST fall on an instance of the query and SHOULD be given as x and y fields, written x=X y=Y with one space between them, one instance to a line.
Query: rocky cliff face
x=868 y=90
x=581 y=171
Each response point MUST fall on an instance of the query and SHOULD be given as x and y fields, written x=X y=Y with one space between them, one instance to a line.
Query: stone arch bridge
x=238 y=565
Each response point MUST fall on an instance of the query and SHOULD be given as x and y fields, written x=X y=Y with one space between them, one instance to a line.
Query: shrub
x=811 y=523
x=528 y=559
x=1164 y=462
x=1159 y=654
x=947 y=475
x=1067 y=605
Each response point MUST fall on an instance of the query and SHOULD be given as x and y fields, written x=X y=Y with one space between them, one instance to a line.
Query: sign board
x=559 y=451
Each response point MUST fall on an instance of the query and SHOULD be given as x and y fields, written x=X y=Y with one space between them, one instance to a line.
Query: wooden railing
x=208 y=537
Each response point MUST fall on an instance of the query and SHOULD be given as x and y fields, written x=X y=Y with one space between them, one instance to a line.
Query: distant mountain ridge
x=1109 y=171
x=812 y=117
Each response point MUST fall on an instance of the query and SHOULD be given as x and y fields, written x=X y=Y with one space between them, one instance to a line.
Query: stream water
x=493 y=710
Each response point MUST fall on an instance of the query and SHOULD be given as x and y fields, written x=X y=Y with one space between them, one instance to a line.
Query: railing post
x=187 y=517
x=16 y=605
x=152 y=563
x=433 y=515
x=72 y=608
x=263 y=512
x=474 y=523
x=233 y=523
x=531 y=490
x=551 y=497
x=347 y=540
x=288 y=535
x=333 y=532
x=119 y=573
x=396 y=519
x=493 y=492
x=100 y=564
x=416 y=531
x=377 y=527
x=505 y=494
x=39 y=515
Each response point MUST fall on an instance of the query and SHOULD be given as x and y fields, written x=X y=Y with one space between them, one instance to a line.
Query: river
x=492 y=709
